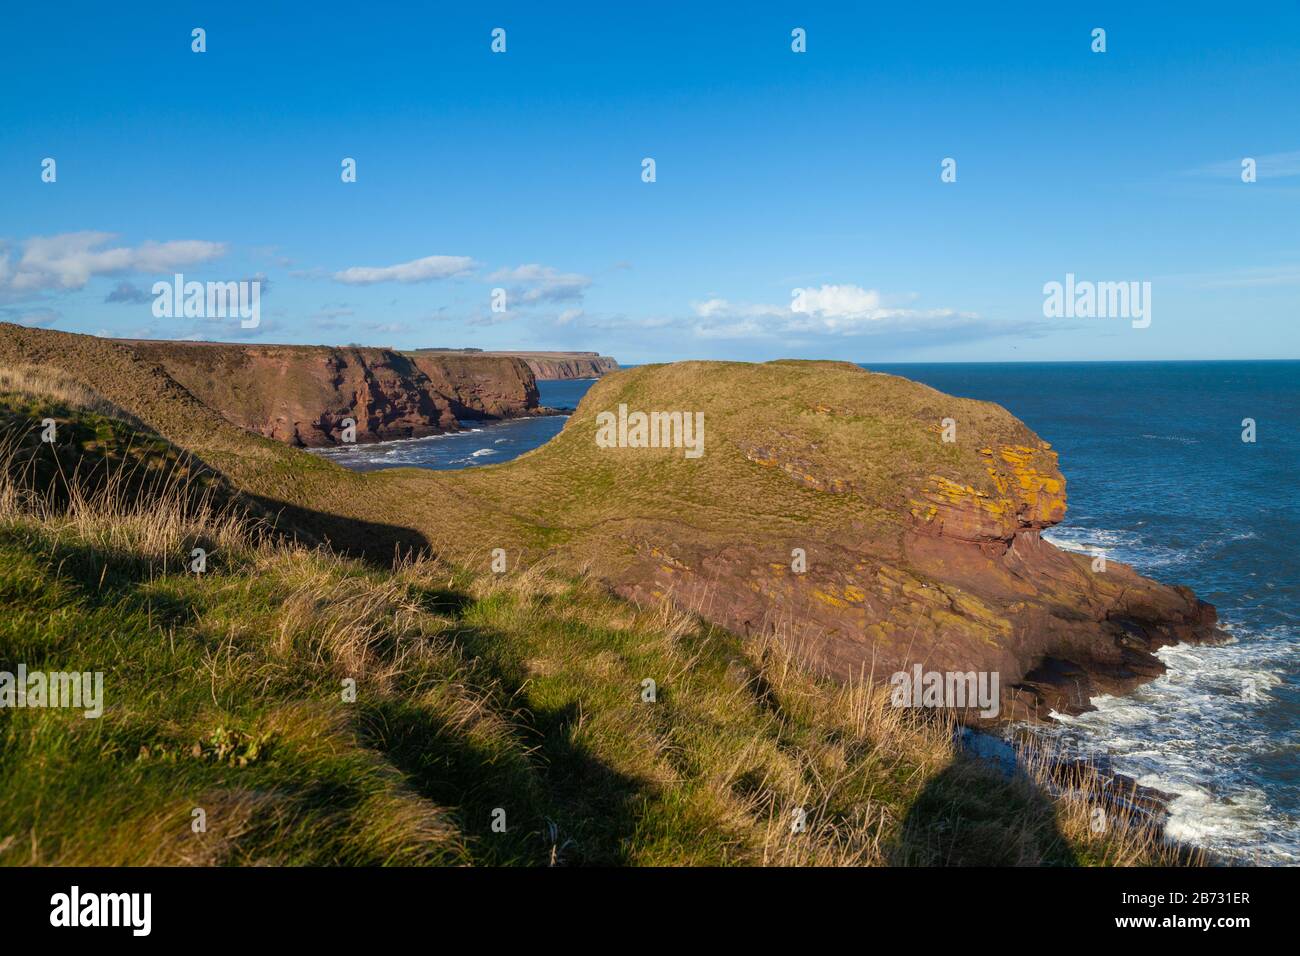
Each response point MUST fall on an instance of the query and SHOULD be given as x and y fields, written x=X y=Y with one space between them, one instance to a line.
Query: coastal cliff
x=301 y=395
x=473 y=682
x=549 y=365
x=826 y=506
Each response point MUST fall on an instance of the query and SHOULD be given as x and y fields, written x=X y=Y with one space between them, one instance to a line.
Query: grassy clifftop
x=786 y=445
x=918 y=514
x=479 y=699
x=778 y=436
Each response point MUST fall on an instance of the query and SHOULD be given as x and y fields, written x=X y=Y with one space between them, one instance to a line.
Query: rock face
x=569 y=364
x=828 y=506
x=301 y=395
x=550 y=365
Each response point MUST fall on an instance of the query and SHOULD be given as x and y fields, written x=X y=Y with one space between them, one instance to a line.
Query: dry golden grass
x=163 y=527
x=36 y=382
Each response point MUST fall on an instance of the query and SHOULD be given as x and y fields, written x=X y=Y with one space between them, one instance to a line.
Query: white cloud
x=839 y=301
x=70 y=260
x=827 y=309
x=538 y=283
x=418 y=270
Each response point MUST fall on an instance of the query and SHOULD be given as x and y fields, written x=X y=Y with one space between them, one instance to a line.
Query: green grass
x=475 y=693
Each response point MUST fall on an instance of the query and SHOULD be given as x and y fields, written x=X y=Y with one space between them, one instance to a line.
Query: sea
x=479 y=443
x=1159 y=476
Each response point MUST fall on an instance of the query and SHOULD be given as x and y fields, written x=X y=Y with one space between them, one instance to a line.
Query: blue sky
x=775 y=171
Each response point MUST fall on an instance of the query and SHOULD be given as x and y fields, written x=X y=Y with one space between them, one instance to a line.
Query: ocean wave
x=1201 y=730
x=1126 y=546
x=1133 y=547
x=1194 y=733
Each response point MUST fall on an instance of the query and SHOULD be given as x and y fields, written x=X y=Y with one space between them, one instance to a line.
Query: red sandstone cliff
x=548 y=365
x=918 y=552
x=302 y=394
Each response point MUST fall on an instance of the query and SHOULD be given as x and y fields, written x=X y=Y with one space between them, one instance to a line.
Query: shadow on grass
x=969 y=814
x=445 y=601
x=563 y=804
x=370 y=541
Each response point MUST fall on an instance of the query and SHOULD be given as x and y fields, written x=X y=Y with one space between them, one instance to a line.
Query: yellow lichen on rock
x=1042 y=491
x=848 y=595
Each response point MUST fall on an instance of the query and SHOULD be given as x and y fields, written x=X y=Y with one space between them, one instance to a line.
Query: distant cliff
x=547 y=365
x=301 y=394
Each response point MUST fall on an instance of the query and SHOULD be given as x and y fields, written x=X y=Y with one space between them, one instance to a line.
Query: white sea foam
x=1186 y=733
x=1126 y=546
x=1195 y=732
x=1131 y=547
